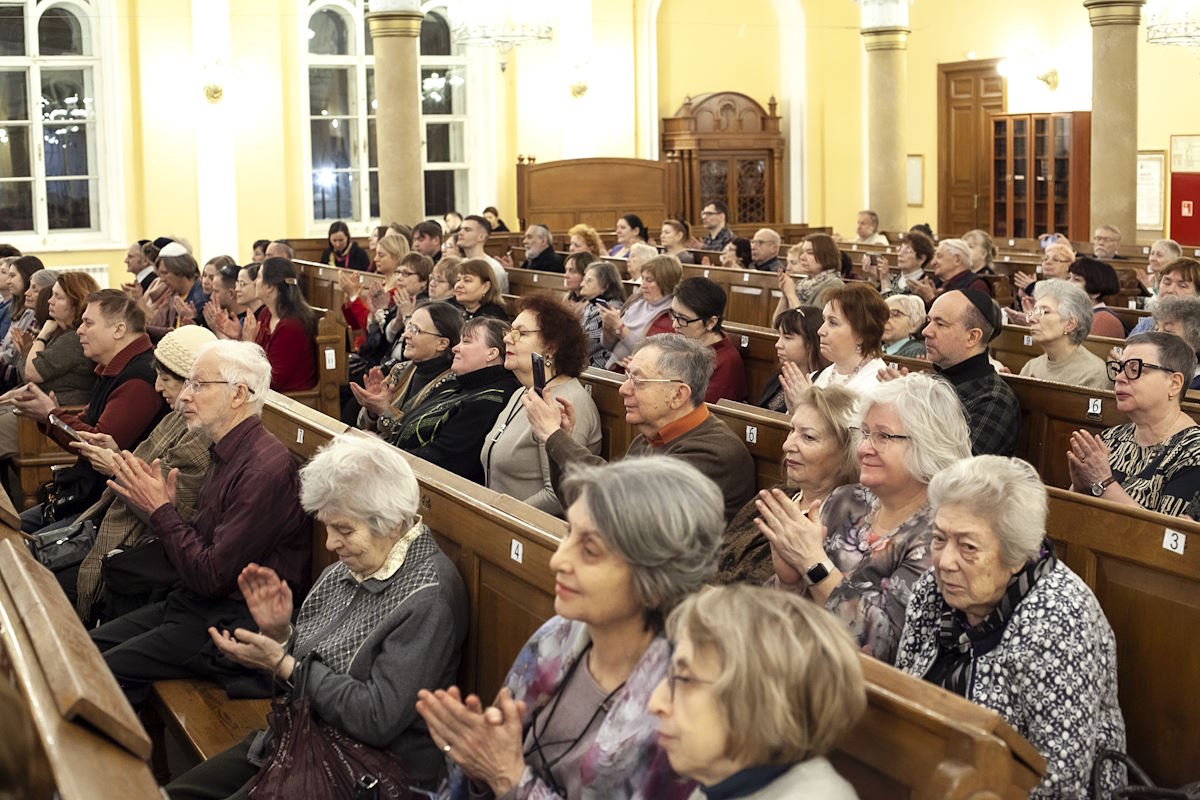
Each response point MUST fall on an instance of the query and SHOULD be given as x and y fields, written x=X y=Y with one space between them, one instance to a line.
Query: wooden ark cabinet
x=730 y=149
x=1041 y=175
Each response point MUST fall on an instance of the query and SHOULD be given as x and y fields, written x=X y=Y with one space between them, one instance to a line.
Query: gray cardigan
x=369 y=647
x=513 y=461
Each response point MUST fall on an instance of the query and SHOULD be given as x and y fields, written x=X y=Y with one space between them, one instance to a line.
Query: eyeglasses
x=1132 y=368
x=1038 y=312
x=761 y=242
x=709 y=213
x=412 y=330
x=681 y=320
x=896 y=313
x=641 y=383
x=243 y=283
x=1057 y=259
x=196 y=385
x=517 y=333
x=879 y=440
x=674 y=679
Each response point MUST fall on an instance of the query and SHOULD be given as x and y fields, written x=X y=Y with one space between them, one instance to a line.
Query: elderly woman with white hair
x=1002 y=622
x=902 y=332
x=1059 y=322
x=870 y=545
x=761 y=688
x=952 y=268
x=571 y=721
x=385 y=621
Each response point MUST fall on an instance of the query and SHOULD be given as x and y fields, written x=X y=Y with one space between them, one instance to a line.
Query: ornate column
x=1114 y=112
x=887 y=93
x=395 y=28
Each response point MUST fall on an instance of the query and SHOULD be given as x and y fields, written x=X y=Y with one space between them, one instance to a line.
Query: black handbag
x=1140 y=785
x=134 y=576
x=64 y=547
x=72 y=491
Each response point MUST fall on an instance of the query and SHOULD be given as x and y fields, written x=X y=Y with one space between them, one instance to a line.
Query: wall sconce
x=1027 y=65
x=578 y=89
x=214 y=77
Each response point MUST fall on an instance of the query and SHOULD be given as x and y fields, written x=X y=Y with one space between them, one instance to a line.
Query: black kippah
x=987 y=307
x=162 y=242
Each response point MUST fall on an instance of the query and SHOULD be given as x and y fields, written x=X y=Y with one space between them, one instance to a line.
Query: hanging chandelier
x=1173 y=22
x=502 y=24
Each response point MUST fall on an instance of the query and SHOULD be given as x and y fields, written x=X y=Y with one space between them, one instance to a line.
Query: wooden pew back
x=1014 y=347
x=92 y=741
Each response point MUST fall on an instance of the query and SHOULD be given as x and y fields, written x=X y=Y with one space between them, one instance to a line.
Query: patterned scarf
x=956 y=636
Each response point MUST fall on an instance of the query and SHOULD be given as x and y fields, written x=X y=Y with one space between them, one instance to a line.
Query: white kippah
x=173 y=249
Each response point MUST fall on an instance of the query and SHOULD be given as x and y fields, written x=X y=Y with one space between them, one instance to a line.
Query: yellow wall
x=703 y=48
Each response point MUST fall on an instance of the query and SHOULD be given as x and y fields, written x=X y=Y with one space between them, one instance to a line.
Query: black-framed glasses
x=681 y=320
x=880 y=440
x=1132 y=367
x=674 y=679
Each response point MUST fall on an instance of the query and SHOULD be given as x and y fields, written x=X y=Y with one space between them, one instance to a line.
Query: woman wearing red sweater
x=284 y=327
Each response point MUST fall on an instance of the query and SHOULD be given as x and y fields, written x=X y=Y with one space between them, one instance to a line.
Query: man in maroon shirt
x=248 y=511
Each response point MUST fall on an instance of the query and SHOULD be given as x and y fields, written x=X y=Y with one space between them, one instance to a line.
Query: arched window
x=341 y=141
x=53 y=170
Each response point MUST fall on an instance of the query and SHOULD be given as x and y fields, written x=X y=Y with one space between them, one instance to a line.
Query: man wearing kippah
x=961 y=324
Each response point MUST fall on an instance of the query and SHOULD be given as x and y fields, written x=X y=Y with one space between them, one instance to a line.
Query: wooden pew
x=756 y=345
x=1151 y=596
x=332 y=371
x=763 y=433
x=92 y=745
x=36 y=459
x=925 y=741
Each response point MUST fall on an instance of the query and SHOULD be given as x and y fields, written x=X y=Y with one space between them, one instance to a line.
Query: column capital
x=893 y=38
x=1114 y=12
x=395 y=23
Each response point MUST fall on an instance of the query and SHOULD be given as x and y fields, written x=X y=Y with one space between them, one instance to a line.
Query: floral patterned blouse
x=878 y=572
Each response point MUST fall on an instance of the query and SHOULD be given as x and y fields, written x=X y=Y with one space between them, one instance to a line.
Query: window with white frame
x=341 y=141
x=51 y=176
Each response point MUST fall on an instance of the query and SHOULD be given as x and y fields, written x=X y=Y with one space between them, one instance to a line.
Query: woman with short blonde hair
x=585 y=238
x=758 y=681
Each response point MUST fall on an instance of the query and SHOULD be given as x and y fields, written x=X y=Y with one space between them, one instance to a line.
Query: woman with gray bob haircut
x=1002 y=622
x=1181 y=316
x=1059 y=321
x=572 y=721
x=871 y=542
x=386 y=620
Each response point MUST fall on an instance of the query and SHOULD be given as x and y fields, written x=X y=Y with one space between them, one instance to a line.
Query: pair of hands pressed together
x=1087 y=460
x=270 y=602
x=485 y=743
x=797 y=542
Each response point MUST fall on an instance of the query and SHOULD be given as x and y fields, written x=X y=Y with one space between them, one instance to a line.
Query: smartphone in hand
x=539 y=373
x=65 y=428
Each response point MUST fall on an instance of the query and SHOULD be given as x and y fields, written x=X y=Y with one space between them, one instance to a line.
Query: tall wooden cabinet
x=729 y=148
x=1041 y=175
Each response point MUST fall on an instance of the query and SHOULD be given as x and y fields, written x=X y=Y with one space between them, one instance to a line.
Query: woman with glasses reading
x=571 y=721
x=1153 y=461
x=870 y=545
x=696 y=313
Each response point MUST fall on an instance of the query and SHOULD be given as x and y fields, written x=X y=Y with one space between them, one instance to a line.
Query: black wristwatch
x=1099 y=487
x=819 y=571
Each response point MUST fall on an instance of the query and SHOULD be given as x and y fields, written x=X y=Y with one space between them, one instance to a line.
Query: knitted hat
x=177 y=350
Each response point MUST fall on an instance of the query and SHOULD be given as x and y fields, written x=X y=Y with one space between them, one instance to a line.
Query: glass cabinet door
x=1000 y=193
x=1041 y=174
x=1062 y=172
x=1020 y=172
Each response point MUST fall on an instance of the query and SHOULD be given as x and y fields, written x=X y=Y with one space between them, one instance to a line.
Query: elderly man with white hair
x=539 y=250
x=248 y=511
x=764 y=251
x=952 y=268
x=1059 y=322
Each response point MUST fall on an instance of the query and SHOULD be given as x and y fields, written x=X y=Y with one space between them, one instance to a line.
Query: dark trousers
x=223 y=776
x=170 y=640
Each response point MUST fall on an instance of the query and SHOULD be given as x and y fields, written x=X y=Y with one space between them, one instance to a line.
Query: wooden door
x=968 y=93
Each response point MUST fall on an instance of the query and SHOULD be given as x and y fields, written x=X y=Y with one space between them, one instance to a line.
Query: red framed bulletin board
x=1185 y=190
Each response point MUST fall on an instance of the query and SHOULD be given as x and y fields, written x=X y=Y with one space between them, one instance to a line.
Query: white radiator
x=98 y=271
